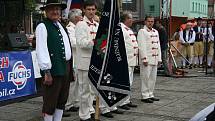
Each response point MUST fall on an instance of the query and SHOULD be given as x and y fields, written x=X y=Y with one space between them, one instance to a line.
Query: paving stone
x=180 y=99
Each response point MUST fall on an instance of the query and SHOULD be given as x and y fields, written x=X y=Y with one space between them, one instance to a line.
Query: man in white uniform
x=75 y=15
x=150 y=58
x=85 y=33
x=131 y=51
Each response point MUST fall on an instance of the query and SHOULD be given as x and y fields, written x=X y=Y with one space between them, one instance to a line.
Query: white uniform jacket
x=85 y=32
x=71 y=31
x=130 y=45
x=149 y=46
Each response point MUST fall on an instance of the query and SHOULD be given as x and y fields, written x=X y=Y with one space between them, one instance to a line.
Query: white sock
x=183 y=62
x=58 y=115
x=195 y=60
x=191 y=60
x=48 y=117
x=210 y=59
x=200 y=59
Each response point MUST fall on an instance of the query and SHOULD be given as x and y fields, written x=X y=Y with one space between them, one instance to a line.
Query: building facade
x=180 y=8
x=152 y=7
x=190 y=8
x=211 y=9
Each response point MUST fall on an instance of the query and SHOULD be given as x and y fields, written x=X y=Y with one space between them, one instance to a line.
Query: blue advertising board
x=16 y=75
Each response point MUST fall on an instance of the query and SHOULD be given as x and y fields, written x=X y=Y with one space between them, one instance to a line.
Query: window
x=199 y=8
x=205 y=9
x=126 y=1
x=129 y=5
x=193 y=6
x=151 y=8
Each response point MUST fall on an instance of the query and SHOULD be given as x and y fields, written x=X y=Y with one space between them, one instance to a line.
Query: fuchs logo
x=19 y=75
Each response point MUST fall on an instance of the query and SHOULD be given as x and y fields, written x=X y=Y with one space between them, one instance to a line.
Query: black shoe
x=92 y=116
x=89 y=119
x=209 y=66
x=167 y=75
x=131 y=105
x=154 y=99
x=73 y=109
x=94 y=102
x=183 y=67
x=66 y=114
x=201 y=66
x=125 y=107
x=117 y=111
x=147 y=100
x=190 y=67
x=107 y=115
x=194 y=66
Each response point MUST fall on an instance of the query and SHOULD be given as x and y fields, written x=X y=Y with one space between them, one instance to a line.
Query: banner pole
x=97 y=113
x=119 y=2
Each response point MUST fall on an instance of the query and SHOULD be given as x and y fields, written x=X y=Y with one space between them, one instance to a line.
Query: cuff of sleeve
x=92 y=43
x=46 y=71
x=144 y=59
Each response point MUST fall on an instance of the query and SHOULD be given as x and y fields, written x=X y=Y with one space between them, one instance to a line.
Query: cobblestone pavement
x=181 y=98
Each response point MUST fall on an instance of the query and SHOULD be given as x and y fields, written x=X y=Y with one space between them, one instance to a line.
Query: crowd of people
x=64 y=55
x=192 y=44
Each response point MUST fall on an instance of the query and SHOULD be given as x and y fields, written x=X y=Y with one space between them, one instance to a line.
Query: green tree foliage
x=30 y=5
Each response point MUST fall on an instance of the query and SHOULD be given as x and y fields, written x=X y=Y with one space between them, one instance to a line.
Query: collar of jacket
x=123 y=25
x=88 y=21
x=71 y=25
x=145 y=27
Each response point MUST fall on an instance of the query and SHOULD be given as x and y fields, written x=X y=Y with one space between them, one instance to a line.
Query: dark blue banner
x=108 y=70
x=16 y=75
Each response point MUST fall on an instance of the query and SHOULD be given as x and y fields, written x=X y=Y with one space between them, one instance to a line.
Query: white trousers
x=103 y=108
x=73 y=99
x=131 y=78
x=86 y=96
x=148 y=76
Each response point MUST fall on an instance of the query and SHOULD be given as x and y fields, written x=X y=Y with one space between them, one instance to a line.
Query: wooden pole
x=97 y=109
x=170 y=19
x=119 y=5
x=206 y=50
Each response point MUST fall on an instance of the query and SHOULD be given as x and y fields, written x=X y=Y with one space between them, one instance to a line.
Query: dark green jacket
x=56 y=49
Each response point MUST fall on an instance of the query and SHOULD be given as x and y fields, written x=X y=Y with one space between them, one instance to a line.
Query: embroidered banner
x=108 y=69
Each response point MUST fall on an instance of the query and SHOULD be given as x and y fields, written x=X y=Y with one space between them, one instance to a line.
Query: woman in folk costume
x=55 y=60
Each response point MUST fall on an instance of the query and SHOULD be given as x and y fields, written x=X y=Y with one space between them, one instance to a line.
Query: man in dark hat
x=54 y=57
